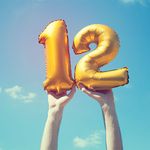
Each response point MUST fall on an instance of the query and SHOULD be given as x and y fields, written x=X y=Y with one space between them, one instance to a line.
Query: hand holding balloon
x=59 y=80
x=106 y=100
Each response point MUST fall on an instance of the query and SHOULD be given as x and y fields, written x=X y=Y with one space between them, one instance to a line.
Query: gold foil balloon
x=87 y=70
x=58 y=68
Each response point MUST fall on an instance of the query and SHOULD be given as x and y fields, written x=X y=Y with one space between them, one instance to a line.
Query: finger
x=86 y=91
x=80 y=85
x=67 y=98
x=72 y=92
x=92 y=94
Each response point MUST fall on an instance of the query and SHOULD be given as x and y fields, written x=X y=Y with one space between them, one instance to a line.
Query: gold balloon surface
x=58 y=68
x=87 y=70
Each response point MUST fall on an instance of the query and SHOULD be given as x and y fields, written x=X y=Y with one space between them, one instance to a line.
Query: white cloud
x=142 y=2
x=92 y=140
x=17 y=92
x=13 y=91
x=29 y=97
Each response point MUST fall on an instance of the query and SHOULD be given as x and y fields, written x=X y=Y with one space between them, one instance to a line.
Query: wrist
x=108 y=108
x=54 y=113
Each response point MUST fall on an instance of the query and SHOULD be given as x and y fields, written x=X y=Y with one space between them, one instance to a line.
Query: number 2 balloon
x=58 y=67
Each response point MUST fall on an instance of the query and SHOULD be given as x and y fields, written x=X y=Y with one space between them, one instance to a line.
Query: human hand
x=105 y=98
x=57 y=102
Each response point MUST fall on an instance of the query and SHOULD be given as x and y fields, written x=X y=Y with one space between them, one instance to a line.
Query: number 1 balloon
x=87 y=70
x=58 y=68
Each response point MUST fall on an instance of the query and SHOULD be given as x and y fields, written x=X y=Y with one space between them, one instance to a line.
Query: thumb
x=65 y=99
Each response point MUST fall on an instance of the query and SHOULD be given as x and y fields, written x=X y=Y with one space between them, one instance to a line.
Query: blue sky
x=23 y=102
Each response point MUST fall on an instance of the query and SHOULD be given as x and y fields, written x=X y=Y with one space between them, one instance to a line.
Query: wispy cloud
x=0 y=90
x=17 y=92
x=142 y=2
x=91 y=140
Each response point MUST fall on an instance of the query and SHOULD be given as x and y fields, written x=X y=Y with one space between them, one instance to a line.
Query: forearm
x=113 y=135
x=51 y=130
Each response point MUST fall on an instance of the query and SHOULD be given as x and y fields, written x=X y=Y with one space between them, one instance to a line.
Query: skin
x=56 y=106
x=106 y=101
x=55 y=112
